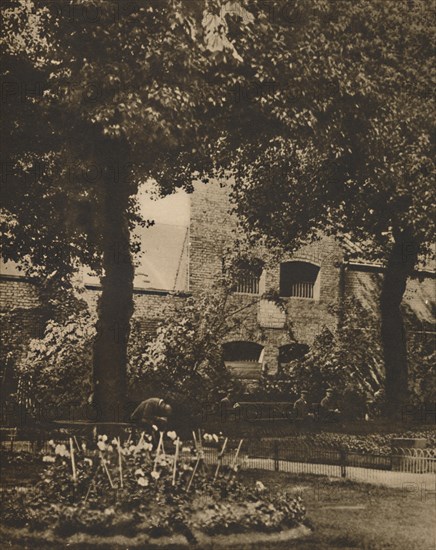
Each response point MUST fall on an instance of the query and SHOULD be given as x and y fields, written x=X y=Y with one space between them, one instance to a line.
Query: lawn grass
x=349 y=515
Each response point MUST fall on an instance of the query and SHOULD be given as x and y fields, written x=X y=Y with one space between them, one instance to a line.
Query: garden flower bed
x=145 y=491
x=369 y=444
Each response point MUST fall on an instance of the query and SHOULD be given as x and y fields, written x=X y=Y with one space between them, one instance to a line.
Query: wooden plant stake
x=200 y=451
x=73 y=462
x=106 y=469
x=220 y=459
x=158 y=451
x=92 y=483
x=176 y=457
x=120 y=462
x=141 y=439
x=195 y=440
x=193 y=474
x=235 y=458
x=75 y=441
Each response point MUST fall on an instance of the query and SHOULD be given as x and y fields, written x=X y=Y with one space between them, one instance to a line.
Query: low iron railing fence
x=279 y=454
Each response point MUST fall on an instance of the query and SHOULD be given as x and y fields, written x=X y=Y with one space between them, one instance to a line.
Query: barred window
x=299 y=280
x=248 y=284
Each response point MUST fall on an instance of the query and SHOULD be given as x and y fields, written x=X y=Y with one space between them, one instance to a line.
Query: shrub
x=422 y=381
x=56 y=372
x=349 y=359
x=183 y=363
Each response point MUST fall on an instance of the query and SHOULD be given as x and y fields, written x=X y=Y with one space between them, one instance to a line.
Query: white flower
x=110 y=448
x=88 y=461
x=109 y=511
x=215 y=437
x=207 y=437
x=51 y=443
x=186 y=449
x=143 y=481
x=48 y=458
x=163 y=460
x=61 y=450
x=260 y=486
x=172 y=435
x=83 y=446
x=139 y=472
x=101 y=445
x=155 y=428
x=142 y=445
x=114 y=441
x=155 y=475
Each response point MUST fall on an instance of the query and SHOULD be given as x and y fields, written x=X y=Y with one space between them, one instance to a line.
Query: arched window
x=244 y=359
x=292 y=352
x=299 y=280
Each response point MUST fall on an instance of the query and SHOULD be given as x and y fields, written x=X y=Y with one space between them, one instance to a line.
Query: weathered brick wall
x=149 y=307
x=21 y=297
x=418 y=302
x=16 y=292
x=25 y=320
x=210 y=232
x=263 y=322
x=365 y=286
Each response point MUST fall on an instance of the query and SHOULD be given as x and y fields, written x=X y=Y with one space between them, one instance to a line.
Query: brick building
x=186 y=257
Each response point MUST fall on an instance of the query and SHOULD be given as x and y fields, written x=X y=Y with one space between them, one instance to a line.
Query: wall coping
x=18 y=278
x=153 y=292
x=379 y=268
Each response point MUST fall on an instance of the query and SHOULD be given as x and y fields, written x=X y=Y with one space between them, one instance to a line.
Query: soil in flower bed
x=19 y=468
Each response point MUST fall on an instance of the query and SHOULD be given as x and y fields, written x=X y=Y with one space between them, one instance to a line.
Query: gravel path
x=425 y=482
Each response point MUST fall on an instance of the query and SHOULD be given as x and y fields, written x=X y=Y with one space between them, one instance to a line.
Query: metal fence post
x=343 y=461
x=276 y=456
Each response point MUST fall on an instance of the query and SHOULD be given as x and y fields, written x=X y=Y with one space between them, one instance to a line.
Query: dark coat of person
x=151 y=411
x=301 y=408
x=328 y=403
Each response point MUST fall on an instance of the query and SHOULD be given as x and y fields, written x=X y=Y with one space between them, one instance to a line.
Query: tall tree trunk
x=115 y=305
x=401 y=262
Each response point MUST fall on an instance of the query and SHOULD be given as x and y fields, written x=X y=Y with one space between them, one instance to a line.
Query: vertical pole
x=343 y=460
x=276 y=456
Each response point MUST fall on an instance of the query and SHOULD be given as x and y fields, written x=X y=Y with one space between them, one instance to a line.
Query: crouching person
x=151 y=412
